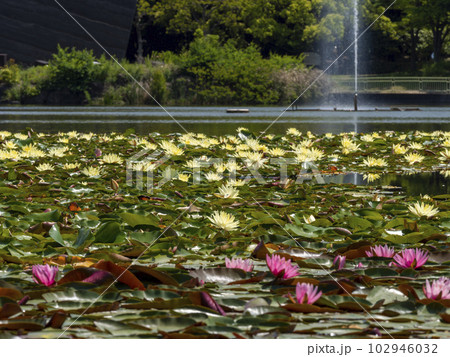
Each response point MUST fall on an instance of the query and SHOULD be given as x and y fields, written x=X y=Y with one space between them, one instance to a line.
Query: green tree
x=435 y=16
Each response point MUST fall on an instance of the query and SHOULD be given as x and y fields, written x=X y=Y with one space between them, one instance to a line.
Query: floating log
x=237 y=110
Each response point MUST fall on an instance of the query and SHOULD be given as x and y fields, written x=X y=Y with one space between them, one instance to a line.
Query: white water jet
x=355 y=33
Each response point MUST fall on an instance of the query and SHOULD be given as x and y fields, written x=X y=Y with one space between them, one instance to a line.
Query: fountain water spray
x=355 y=32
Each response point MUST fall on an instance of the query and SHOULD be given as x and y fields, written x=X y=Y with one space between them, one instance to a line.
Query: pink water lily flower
x=44 y=274
x=438 y=289
x=339 y=262
x=380 y=251
x=307 y=293
x=411 y=258
x=278 y=265
x=238 y=263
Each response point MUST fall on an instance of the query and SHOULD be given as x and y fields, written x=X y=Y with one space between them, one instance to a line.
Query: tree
x=435 y=16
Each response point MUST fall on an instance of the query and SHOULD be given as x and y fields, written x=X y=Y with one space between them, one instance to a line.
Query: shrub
x=10 y=74
x=72 y=69
x=158 y=87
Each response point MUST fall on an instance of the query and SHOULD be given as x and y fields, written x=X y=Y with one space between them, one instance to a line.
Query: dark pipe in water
x=355 y=102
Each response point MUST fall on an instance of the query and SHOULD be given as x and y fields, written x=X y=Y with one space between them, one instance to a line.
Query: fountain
x=355 y=32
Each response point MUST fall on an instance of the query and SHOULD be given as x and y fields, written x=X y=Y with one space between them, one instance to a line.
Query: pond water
x=430 y=183
x=215 y=120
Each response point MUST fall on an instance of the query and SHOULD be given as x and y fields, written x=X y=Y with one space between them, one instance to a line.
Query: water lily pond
x=235 y=236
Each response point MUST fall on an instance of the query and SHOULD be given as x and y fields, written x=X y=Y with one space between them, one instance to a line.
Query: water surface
x=215 y=120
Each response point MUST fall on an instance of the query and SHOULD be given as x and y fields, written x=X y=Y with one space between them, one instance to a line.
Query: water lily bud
x=114 y=185
x=98 y=153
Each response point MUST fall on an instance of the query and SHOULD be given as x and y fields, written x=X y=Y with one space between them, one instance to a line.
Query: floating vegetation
x=190 y=236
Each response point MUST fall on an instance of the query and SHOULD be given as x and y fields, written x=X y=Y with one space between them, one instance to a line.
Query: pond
x=215 y=120
x=429 y=183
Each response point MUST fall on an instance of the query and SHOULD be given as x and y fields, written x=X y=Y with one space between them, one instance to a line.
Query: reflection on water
x=215 y=120
x=430 y=183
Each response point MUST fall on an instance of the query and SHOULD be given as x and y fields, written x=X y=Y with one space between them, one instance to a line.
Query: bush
x=436 y=69
x=158 y=87
x=223 y=74
x=10 y=74
x=72 y=69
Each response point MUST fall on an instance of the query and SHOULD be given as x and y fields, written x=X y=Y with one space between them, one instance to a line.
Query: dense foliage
x=206 y=73
x=88 y=249
x=403 y=39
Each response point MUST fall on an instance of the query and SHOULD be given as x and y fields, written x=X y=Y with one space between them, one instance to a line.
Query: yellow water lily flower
x=9 y=144
x=371 y=162
x=183 y=177
x=399 y=149
x=213 y=176
x=370 y=177
x=21 y=136
x=105 y=138
x=72 y=134
x=236 y=182
x=4 y=134
x=233 y=166
x=224 y=220
x=58 y=152
x=70 y=166
x=170 y=148
x=445 y=173
x=445 y=154
x=241 y=129
x=294 y=132
x=111 y=159
x=415 y=146
x=423 y=209
x=227 y=191
x=91 y=171
x=63 y=140
x=413 y=158
x=87 y=136
x=368 y=138
x=276 y=152
x=348 y=146
x=44 y=167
